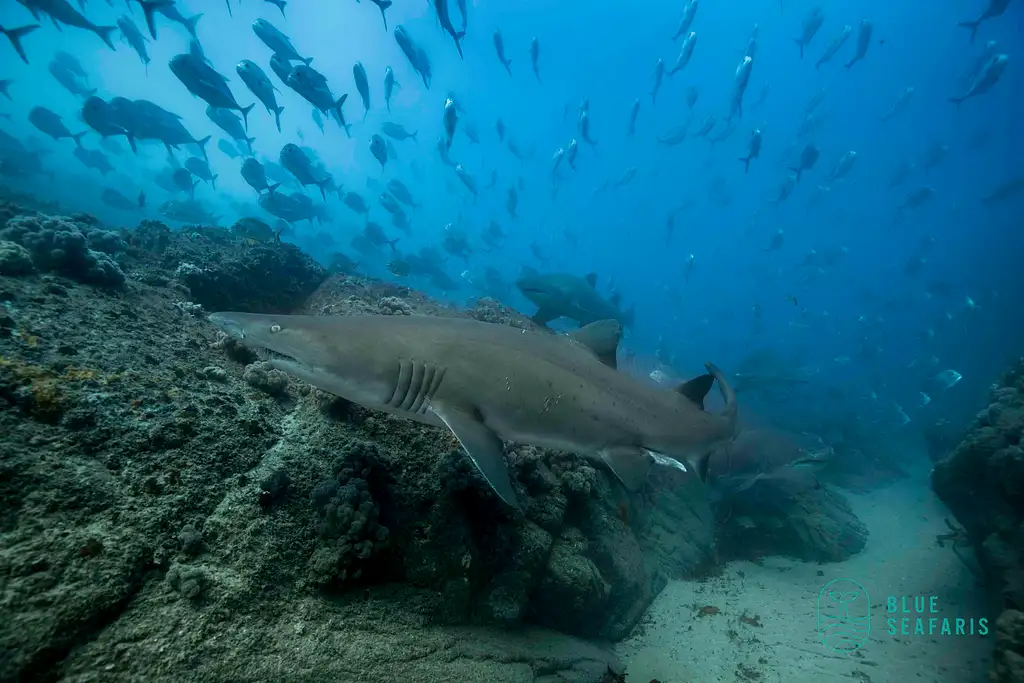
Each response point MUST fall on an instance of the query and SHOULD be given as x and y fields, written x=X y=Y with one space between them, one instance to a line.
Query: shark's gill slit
x=417 y=382
x=415 y=391
x=405 y=370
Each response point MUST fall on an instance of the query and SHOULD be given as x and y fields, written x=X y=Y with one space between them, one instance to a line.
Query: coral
x=347 y=517
x=15 y=259
x=274 y=488
x=189 y=582
x=392 y=305
x=222 y=275
x=57 y=244
x=264 y=377
x=212 y=372
x=191 y=540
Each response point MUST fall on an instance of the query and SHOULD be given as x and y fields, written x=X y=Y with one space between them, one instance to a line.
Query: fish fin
x=973 y=25
x=483 y=447
x=630 y=465
x=271 y=188
x=543 y=316
x=16 y=34
x=307 y=61
x=245 y=114
x=602 y=338
x=698 y=464
x=77 y=137
x=591 y=279
x=202 y=146
x=697 y=389
x=213 y=180
x=277 y=117
x=629 y=317
x=190 y=24
x=104 y=33
x=800 y=43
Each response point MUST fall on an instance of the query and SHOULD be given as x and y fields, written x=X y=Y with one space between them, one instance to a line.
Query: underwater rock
x=15 y=259
x=60 y=245
x=185 y=515
x=982 y=482
x=227 y=273
x=816 y=525
x=1008 y=657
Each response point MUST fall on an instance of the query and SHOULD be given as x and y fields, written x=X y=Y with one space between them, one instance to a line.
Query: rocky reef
x=173 y=508
x=982 y=482
x=765 y=506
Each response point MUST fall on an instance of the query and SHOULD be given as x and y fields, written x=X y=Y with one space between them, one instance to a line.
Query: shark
x=561 y=295
x=489 y=383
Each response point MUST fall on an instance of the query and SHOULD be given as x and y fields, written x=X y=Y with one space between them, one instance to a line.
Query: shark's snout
x=227 y=323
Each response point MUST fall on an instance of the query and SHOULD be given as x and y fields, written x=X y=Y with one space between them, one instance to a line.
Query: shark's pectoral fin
x=601 y=337
x=630 y=465
x=483 y=447
x=543 y=316
x=697 y=388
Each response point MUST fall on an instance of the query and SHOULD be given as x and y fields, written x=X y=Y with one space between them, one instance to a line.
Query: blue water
x=864 y=309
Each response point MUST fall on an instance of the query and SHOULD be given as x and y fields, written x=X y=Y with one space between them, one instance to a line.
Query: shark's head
x=540 y=291
x=298 y=349
x=333 y=353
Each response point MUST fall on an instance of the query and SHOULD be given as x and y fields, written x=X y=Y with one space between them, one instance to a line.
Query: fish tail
x=77 y=137
x=245 y=114
x=277 y=120
x=973 y=25
x=149 y=9
x=801 y=45
x=306 y=61
x=383 y=6
x=104 y=33
x=281 y=7
x=746 y=163
x=190 y=24
x=957 y=101
x=213 y=180
x=202 y=146
x=271 y=188
x=131 y=142
x=15 y=35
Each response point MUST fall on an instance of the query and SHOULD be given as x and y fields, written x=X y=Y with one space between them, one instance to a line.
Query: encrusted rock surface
x=982 y=482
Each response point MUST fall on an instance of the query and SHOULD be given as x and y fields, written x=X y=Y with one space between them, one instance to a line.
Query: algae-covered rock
x=982 y=482
x=1008 y=657
x=173 y=509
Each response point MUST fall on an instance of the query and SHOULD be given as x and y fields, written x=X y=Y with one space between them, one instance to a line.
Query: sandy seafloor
x=902 y=558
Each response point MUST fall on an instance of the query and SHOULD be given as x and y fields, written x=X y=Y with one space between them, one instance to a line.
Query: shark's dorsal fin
x=602 y=338
x=591 y=279
x=697 y=388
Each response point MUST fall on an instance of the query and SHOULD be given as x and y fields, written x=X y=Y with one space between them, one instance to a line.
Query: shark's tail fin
x=728 y=395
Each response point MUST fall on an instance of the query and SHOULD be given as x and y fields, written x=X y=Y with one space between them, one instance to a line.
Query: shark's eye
x=275 y=328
